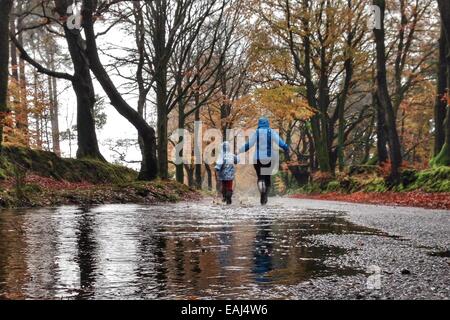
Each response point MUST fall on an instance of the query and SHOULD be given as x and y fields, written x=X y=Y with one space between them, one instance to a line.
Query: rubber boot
x=263 y=190
x=229 y=197
x=265 y=196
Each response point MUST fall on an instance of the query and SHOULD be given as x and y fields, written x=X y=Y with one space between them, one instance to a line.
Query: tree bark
x=384 y=98
x=190 y=173
x=440 y=105
x=143 y=90
x=382 y=152
x=37 y=113
x=84 y=90
x=181 y=125
x=55 y=117
x=444 y=156
x=5 y=8
x=198 y=139
x=22 y=121
x=53 y=99
x=13 y=54
x=17 y=106
x=209 y=175
x=161 y=65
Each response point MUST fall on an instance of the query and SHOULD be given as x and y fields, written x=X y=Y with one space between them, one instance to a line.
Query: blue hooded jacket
x=225 y=165
x=264 y=137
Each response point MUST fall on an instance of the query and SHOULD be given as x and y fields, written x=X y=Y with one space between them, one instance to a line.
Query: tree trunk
x=385 y=99
x=55 y=118
x=84 y=90
x=149 y=167
x=54 y=115
x=348 y=65
x=443 y=158
x=320 y=135
x=143 y=90
x=162 y=125
x=382 y=152
x=440 y=105
x=197 y=151
x=225 y=107
x=22 y=120
x=181 y=124
x=54 y=112
x=13 y=54
x=5 y=8
x=15 y=78
x=161 y=65
x=367 y=142
x=209 y=175
x=37 y=112
x=190 y=173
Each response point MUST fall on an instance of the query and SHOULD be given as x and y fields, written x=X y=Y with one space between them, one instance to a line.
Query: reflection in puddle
x=175 y=251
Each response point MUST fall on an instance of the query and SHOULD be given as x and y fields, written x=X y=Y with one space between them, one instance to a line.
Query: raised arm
x=276 y=137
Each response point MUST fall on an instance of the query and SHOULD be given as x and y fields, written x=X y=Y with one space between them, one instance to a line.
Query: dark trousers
x=227 y=186
x=266 y=178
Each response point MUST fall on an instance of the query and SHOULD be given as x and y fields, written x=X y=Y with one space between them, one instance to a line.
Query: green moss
x=333 y=186
x=436 y=179
x=47 y=164
x=373 y=161
x=443 y=158
x=377 y=185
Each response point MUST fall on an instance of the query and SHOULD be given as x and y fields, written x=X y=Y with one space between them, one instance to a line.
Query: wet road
x=292 y=249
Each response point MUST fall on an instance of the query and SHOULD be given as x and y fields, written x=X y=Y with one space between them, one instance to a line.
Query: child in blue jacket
x=263 y=139
x=226 y=171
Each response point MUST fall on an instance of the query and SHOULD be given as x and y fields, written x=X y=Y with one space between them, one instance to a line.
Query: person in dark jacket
x=264 y=138
x=226 y=171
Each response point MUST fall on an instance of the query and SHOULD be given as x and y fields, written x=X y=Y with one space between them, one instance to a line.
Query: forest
x=357 y=88
x=199 y=150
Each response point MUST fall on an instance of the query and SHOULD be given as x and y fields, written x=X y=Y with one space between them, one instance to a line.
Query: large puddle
x=182 y=251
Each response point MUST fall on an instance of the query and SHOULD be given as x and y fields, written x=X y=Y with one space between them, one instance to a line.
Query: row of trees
x=340 y=92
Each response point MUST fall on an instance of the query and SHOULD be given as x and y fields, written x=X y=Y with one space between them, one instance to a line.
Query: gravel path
x=413 y=259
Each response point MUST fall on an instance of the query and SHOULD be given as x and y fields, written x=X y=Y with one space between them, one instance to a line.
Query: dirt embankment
x=30 y=178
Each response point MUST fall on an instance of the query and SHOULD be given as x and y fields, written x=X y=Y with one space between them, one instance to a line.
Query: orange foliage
x=405 y=199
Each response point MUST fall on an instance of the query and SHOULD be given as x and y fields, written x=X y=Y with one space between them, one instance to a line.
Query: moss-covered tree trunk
x=5 y=8
x=443 y=158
